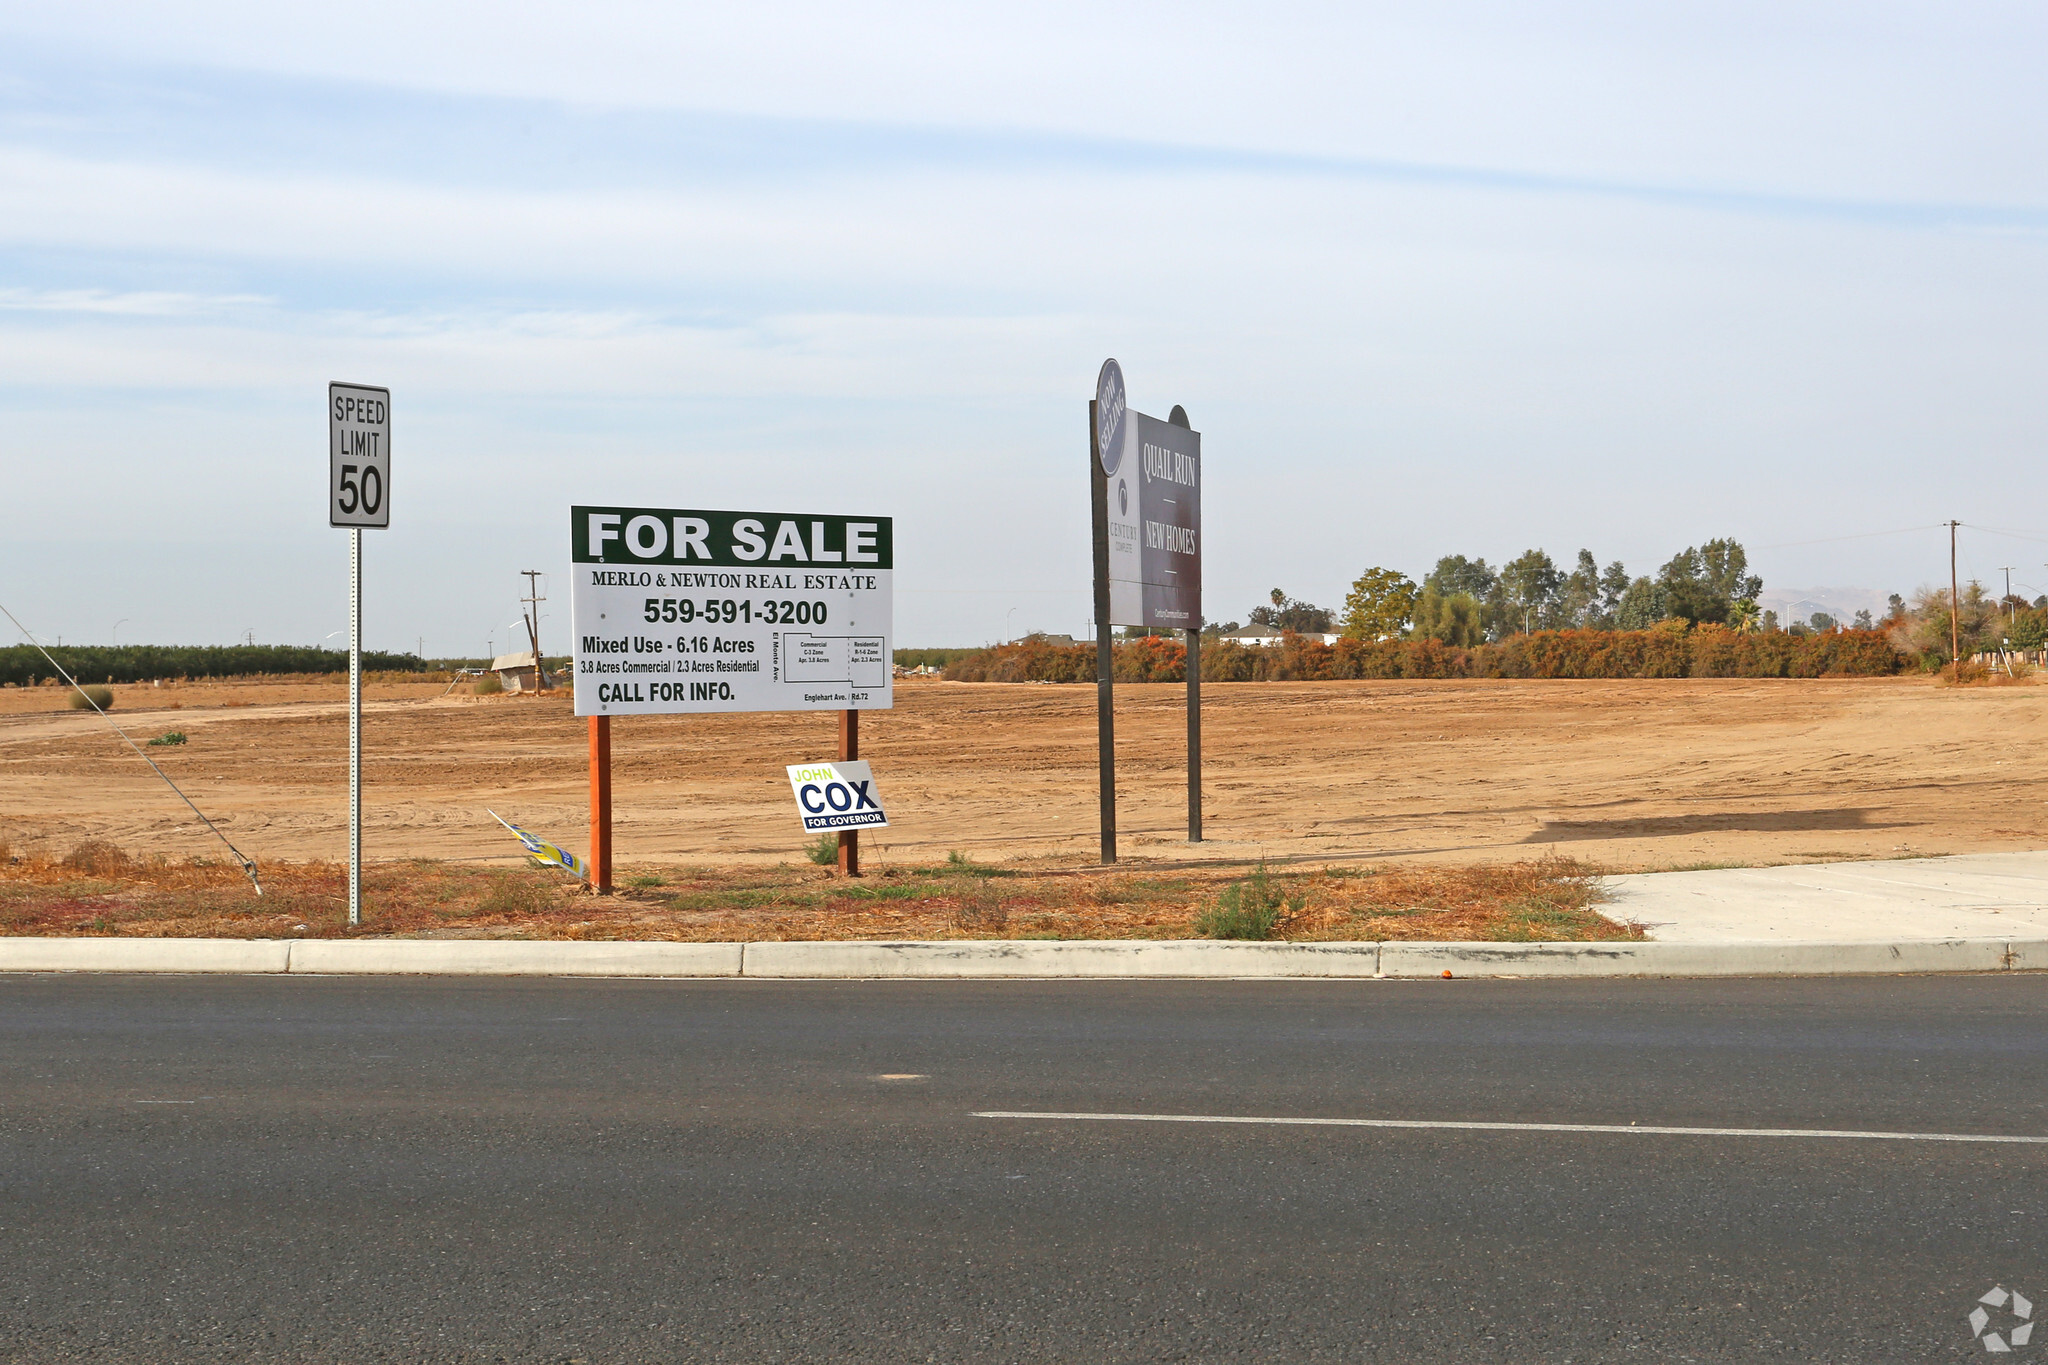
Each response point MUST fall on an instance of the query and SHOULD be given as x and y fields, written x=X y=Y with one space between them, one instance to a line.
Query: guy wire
x=248 y=865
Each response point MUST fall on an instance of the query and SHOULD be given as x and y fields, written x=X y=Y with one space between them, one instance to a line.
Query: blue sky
x=1458 y=278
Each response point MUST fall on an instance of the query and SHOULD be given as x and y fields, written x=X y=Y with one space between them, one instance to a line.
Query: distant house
x=517 y=672
x=1265 y=637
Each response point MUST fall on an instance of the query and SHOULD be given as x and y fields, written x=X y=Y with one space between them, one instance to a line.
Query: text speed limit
x=358 y=456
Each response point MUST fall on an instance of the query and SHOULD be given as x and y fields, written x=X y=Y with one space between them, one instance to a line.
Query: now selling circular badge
x=1109 y=416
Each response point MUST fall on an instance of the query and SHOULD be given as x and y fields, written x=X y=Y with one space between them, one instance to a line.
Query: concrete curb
x=1650 y=958
x=1066 y=957
x=511 y=957
x=969 y=959
x=144 y=955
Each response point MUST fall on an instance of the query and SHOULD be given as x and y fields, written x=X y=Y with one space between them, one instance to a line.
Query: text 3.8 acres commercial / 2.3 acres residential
x=683 y=610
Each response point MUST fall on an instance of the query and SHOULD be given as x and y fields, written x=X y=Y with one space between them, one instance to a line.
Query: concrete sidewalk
x=1973 y=896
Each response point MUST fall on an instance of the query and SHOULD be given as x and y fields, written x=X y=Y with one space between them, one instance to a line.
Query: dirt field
x=1621 y=775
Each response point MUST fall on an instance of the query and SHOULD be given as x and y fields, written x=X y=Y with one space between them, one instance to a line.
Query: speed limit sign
x=359 y=456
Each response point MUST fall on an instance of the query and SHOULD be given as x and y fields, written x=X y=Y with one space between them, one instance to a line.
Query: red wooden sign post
x=849 y=749
x=601 y=804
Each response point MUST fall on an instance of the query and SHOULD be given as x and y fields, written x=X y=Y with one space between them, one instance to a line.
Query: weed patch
x=97 y=858
x=1254 y=908
x=980 y=912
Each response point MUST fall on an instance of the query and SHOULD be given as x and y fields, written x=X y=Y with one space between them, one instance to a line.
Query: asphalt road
x=310 y=1170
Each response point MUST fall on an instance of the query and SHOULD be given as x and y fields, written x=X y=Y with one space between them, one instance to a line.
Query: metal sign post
x=358 y=496
x=355 y=725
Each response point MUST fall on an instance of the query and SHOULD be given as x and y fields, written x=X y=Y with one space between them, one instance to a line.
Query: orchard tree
x=1704 y=583
x=1641 y=606
x=1290 y=613
x=1579 y=602
x=1529 y=588
x=1458 y=620
x=1379 y=605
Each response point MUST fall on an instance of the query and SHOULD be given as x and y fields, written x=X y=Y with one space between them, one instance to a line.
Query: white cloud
x=154 y=303
x=1385 y=370
x=1920 y=98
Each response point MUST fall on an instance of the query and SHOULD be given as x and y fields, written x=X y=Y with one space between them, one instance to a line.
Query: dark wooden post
x=601 y=804
x=1105 y=702
x=849 y=749
x=1195 y=734
x=1179 y=417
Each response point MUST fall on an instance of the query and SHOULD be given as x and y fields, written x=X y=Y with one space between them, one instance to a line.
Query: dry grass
x=98 y=890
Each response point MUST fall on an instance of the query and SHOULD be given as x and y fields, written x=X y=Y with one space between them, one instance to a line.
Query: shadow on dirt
x=1568 y=831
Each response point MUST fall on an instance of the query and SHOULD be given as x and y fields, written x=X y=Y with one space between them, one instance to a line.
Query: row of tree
x=1668 y=650
x=24 y=666
x=1465 y=602
x=1984 y=624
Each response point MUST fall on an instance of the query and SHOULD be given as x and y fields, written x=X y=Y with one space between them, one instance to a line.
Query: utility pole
x=533 y=599
x=2007 y=569
x=1955 y=647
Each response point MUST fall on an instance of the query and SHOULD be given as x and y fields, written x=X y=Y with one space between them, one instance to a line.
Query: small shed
x=518 y=672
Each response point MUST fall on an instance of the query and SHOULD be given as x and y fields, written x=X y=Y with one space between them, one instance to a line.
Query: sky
x=1458 y=278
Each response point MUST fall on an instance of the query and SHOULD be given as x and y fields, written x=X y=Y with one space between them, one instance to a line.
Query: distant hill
x=1799 y=604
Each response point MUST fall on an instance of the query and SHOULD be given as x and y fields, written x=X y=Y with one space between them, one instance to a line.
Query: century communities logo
x=1109 y=416
x=2002 y=1319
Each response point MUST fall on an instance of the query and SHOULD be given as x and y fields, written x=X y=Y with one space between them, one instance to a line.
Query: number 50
x=369 y=496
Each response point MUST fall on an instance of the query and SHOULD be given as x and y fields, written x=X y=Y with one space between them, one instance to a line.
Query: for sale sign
x=682 y=610
x=836 y=796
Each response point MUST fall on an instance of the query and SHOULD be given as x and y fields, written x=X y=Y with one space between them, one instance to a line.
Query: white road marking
x=1629 y=1128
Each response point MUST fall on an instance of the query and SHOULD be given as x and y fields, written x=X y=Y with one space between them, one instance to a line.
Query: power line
x=2016 y=535
x=1861 y=535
